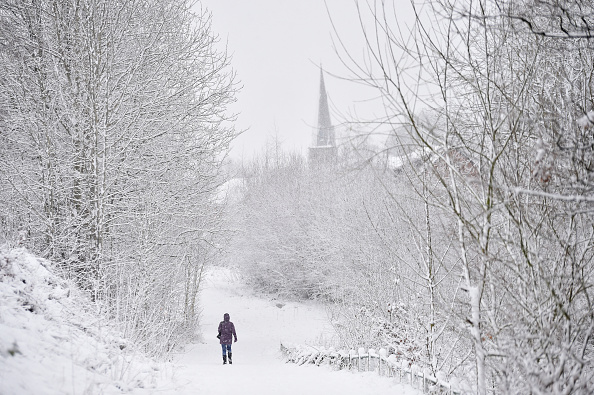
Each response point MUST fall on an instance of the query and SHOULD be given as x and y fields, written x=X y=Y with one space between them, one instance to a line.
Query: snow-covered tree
x=509 y=166
x=112 y=137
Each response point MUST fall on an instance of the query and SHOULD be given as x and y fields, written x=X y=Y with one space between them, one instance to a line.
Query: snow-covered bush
x=281 y=246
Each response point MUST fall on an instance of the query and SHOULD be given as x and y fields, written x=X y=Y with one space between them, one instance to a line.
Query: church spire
x=323 y=152
x=325 y=132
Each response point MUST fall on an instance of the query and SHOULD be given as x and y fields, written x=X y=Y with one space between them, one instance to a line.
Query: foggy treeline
x=465 y=242
x=111 y=141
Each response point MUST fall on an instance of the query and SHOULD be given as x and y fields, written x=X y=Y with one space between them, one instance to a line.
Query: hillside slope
x=53 y=341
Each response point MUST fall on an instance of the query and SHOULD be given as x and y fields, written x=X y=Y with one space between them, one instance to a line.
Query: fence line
x=370 y=360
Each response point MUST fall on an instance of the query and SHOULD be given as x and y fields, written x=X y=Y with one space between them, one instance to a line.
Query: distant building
x=323 y=151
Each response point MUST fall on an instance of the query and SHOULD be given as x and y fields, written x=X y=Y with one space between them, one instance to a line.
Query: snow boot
x=230 y=361
x=224 y=360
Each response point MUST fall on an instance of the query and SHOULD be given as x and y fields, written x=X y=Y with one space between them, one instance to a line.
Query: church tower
x=322 y=153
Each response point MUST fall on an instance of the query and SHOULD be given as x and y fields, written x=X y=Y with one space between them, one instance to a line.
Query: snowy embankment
x=53 y=341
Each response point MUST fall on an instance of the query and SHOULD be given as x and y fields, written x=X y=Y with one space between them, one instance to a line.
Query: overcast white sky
x=277 y=47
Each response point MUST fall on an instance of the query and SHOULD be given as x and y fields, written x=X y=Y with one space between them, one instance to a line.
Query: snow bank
x=52 y=339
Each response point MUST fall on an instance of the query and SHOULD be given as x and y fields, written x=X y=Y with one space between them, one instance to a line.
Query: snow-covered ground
x=258 y=367
x=52 y=342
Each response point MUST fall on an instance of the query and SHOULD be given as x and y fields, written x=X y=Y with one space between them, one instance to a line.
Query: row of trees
x=511 y=156
x=112 y=133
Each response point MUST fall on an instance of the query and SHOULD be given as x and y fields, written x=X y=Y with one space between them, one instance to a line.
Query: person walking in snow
x=226 y=334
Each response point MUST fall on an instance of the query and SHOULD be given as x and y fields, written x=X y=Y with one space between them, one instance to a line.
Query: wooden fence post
x=392 y=365
x=383 y=354
x=424 y=380
x=352 y=359
x=361 y=354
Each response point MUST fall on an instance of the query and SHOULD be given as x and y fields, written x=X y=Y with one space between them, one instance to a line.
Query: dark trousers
x=226 y=348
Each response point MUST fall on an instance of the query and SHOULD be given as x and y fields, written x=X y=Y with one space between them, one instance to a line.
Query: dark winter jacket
x=227 y=330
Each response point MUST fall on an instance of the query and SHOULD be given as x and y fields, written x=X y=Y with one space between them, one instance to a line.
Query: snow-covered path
x=258 y=367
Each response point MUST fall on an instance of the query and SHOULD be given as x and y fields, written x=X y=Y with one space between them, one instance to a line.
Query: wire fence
x=371 y=360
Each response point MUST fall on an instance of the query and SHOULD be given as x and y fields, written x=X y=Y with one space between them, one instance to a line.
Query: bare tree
x=512 y=169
